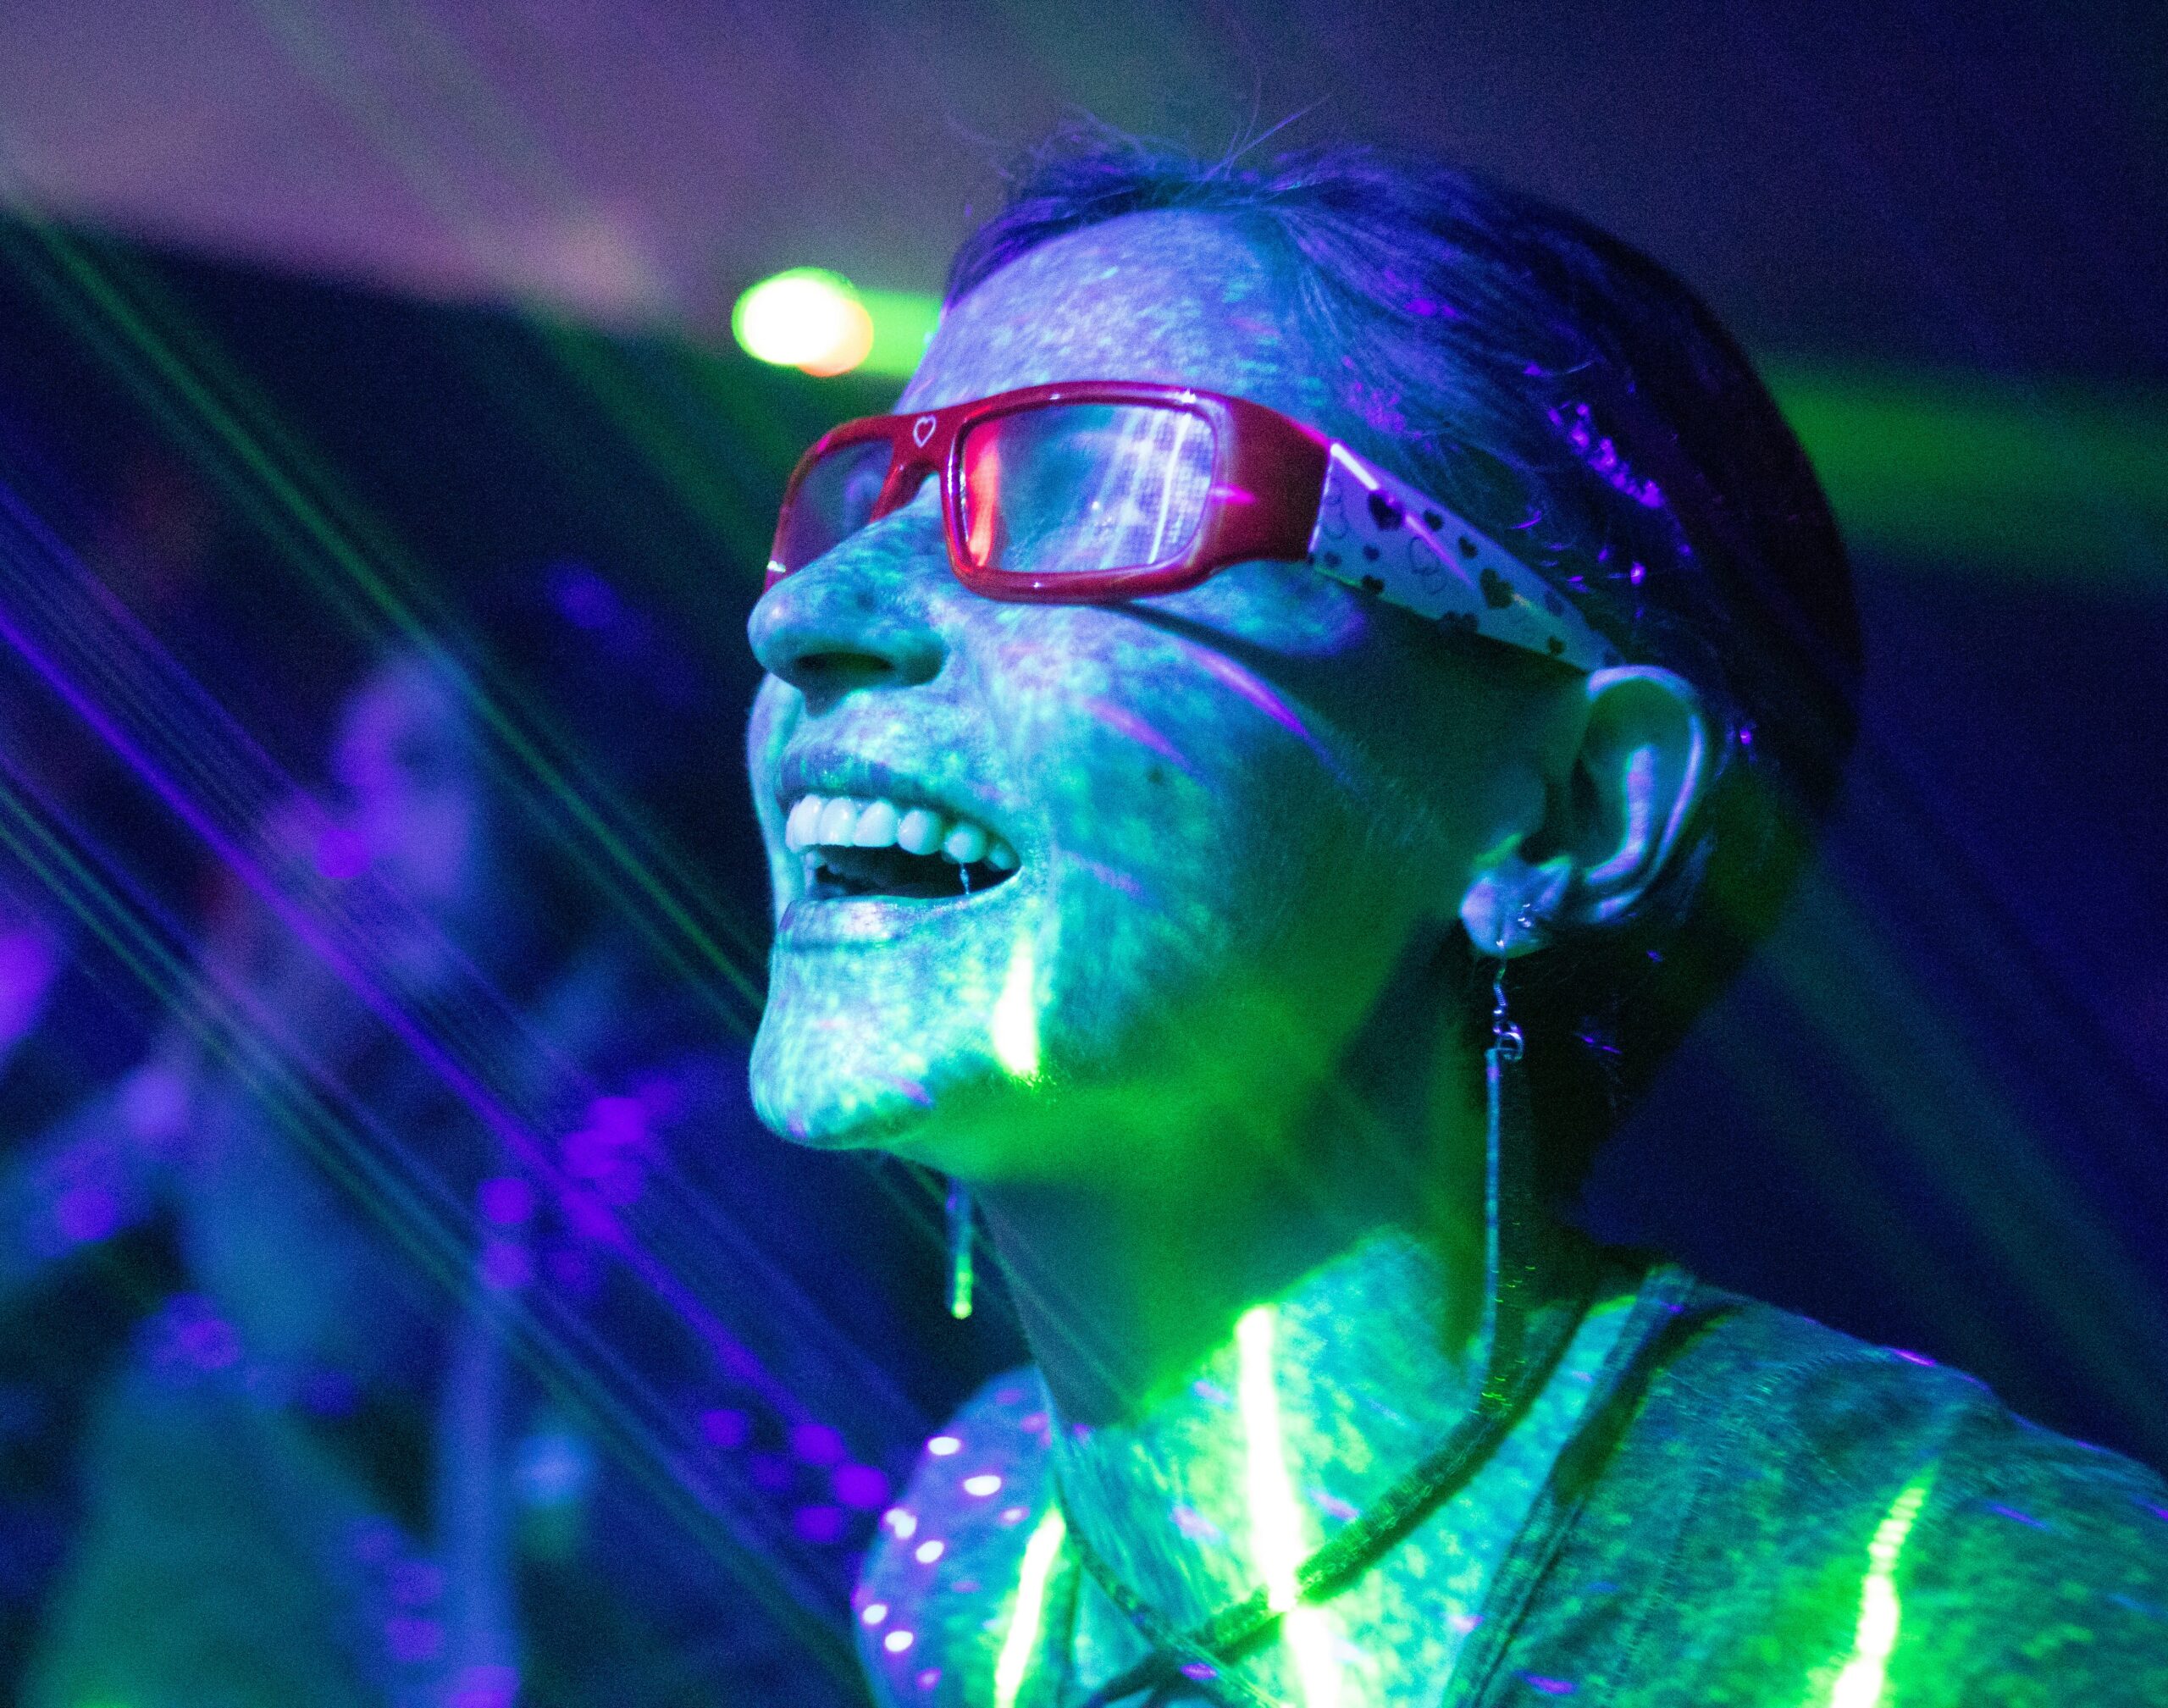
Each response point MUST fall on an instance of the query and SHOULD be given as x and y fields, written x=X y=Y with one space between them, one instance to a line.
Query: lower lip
x=809 y=924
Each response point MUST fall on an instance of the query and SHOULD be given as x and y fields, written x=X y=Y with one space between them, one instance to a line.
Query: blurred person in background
x=318 y=1477
x=68 y=1025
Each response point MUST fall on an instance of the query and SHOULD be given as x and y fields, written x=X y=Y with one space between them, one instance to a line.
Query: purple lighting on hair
x=1601 y=455
x=486 y=1687
x=342 y=854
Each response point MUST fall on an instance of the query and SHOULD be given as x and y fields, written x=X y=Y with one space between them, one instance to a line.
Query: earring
x=960 y=1277
x=1509 y=1189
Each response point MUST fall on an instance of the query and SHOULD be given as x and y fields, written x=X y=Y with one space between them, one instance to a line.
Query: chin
x=890 y=1024
x=826 y=1073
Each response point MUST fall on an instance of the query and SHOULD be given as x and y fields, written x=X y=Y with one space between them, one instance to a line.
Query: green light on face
x=811 y=318
x=1014 y=1023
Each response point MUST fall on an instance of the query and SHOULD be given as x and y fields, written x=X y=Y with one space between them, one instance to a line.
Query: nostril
x=839 y=671
x=828 y=666
x=830 y=634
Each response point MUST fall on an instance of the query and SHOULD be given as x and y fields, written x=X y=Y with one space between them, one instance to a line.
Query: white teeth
x=877 y=826
x=965 y=844
x=920 y=832
x=838 y=818
x=842 y=821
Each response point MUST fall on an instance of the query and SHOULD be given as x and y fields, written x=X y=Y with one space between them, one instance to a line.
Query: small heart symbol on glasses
x=921 y=430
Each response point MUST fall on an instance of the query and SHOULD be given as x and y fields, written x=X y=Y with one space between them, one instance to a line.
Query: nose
x=857 y=619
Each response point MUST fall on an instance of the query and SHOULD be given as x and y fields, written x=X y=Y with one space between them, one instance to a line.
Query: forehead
x=1180 y=299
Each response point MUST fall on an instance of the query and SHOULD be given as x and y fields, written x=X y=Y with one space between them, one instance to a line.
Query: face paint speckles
x=1061 y=870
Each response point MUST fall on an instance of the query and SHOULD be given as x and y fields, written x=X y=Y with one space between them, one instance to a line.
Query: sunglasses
x=1102 y=490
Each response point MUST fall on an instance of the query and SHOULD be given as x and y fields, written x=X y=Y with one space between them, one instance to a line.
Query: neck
x=1125 y=1280
x=1120 y=1293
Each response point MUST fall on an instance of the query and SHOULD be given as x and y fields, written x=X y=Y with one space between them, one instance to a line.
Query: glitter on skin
x=1246 y=683
x=1276 y=1520
x=1125 y=722
x=1161 y=912
x=1874 y=1640
x=1021 y=1642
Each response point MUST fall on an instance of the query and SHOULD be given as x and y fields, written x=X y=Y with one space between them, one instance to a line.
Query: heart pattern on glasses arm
x=1379 y=535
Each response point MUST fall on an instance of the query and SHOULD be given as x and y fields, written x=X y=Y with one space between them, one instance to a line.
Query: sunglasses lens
x=833 y=502
x=1071 y=488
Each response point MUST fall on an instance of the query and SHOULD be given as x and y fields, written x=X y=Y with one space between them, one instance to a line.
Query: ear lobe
x=1641 y=770
x=1512 y=904
x=1617 y=808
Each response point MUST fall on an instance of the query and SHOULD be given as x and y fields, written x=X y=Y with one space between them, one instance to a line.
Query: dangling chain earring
x=1521 y=1353
x=959 y=1249
x=1508 y=1187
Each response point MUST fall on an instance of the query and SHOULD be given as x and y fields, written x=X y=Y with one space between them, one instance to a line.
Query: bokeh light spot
x=806 y=318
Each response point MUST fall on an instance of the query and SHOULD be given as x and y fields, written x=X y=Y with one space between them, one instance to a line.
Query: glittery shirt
x=1751 y=1509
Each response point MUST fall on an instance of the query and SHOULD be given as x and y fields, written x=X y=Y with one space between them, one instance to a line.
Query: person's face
x=1232 y=808
x=411 y=808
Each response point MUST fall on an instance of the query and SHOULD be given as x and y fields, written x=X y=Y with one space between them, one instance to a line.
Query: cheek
x=1211 y=884
x=774 y=707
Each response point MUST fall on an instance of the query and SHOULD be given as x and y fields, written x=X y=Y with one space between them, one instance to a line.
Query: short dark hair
x=1569 y=394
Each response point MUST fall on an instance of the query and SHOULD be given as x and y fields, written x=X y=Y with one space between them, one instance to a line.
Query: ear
x=1635 y=774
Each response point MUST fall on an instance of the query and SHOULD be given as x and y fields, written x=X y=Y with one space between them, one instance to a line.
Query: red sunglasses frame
x=1268 y=478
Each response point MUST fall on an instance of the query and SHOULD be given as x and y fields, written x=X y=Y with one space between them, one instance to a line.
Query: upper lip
x=834 y=771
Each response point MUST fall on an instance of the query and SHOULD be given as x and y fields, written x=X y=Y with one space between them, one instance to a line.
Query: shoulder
x=1828 y=1415
x=1816 y=1491
x=949 y=1551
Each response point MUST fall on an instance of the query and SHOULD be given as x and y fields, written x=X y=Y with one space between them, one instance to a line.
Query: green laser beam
x=2032 y=480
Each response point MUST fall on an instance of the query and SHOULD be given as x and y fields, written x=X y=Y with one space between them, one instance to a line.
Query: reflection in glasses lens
x=833 y=502
x=1069 y=488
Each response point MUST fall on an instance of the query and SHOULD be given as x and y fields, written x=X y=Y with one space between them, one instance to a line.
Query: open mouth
x=856 y=846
